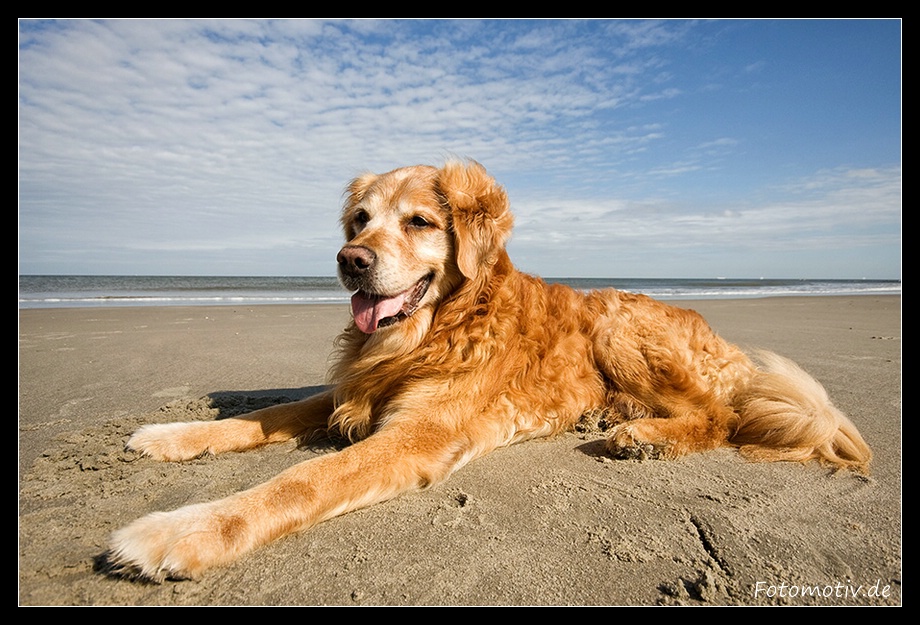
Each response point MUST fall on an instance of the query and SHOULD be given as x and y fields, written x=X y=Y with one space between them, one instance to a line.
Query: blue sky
x=675 y=148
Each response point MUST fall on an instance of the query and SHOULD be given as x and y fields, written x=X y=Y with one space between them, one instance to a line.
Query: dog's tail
x=785 y=414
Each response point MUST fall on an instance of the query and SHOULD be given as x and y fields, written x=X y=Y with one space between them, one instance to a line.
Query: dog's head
x=415 y=234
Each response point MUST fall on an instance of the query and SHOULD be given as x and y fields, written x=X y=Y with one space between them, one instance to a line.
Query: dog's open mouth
x=372 y=311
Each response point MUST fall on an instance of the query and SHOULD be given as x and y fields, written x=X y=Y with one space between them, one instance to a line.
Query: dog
x=450 y=353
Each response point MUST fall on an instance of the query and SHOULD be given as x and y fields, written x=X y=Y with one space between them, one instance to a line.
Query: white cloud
x=146 y=143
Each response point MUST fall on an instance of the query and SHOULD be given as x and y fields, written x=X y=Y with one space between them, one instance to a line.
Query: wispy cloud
x=160 y=146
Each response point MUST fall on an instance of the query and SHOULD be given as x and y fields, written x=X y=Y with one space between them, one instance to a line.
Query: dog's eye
x=361 y=218
x=419 y=222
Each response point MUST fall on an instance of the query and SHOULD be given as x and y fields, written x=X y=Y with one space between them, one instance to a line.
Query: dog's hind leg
x=688 y=426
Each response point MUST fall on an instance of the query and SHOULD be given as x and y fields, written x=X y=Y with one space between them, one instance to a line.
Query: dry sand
x=542 y=523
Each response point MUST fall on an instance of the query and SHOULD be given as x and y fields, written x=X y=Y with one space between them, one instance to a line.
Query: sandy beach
x=550 y=522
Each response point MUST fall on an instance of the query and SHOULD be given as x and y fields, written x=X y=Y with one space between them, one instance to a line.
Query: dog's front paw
x=168 y=545
x=171 y=441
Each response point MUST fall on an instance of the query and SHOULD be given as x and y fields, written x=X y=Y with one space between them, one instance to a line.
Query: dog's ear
x=480 y=214
x=354 y=193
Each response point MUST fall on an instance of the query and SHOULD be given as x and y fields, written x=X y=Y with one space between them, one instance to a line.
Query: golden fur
x=452 y=353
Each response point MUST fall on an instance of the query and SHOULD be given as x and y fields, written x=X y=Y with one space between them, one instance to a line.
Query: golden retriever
x=451 y=353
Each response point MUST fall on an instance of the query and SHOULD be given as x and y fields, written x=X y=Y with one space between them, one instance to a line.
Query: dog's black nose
x=355 y=260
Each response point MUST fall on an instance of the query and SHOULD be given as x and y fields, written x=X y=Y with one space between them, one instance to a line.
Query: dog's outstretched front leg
x=183 y=543
x=183 y=441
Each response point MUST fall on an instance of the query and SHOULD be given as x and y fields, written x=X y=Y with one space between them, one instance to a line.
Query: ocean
x=99 y=291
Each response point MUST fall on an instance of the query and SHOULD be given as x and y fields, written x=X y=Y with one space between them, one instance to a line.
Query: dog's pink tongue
x=368 y=311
